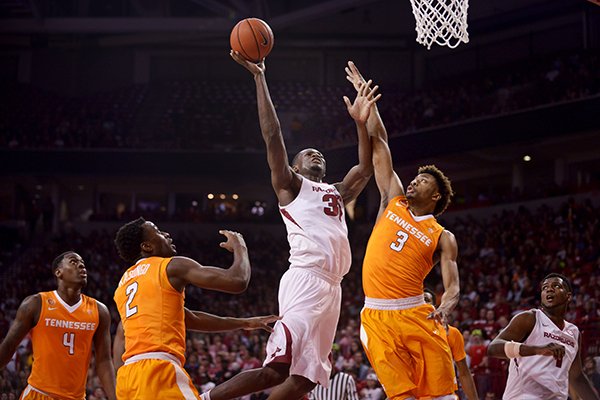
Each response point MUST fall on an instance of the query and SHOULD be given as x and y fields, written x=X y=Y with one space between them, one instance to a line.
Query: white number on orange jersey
x=400 y=240
x=130 y=292
x=69 y=341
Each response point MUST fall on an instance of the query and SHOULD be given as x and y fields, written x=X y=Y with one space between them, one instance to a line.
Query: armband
x=511 y=349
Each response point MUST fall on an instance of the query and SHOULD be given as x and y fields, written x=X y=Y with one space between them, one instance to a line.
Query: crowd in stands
x=208 y=115
x=502 y=260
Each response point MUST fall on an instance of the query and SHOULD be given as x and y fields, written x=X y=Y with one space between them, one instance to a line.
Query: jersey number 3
x=130 y=291
x=333 y=208
x=398 y=244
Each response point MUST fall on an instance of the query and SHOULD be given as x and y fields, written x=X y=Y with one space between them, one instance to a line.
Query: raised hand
x=234 y=240
x=365 y=98
x=354 y=75
x=261 y=322
x=254 y=68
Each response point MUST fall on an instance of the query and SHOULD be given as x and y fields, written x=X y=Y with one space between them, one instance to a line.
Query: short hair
x=128 y=240
x=296 y=157
x=433 y=296
x=444 y=187
x=564 y=279
x=56 y=262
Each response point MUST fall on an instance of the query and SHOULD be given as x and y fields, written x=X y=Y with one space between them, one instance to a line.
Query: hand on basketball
x=354 y=75
x=234 y=240
x=365 y=98
x=554 y=350
x=261 y=323
x=254 y=68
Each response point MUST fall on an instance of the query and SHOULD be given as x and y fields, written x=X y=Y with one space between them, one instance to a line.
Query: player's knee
x=274 y=374
x=302 y=384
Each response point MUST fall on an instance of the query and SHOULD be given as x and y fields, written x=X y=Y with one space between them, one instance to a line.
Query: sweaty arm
x=285 y=181
x=466 y=380
x=104 y=364
x=204 y=322
x=357 y=178
x=450 y=279
x=578 y=381
x=182 y=270
x=118 y=346
x=27 y=317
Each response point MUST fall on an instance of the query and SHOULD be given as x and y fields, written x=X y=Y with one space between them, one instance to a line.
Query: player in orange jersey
x=150 y=298
x=403 y=336
x=64 y=324
x=457 y=346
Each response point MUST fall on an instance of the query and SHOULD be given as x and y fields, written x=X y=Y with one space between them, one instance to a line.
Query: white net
x=441 y=21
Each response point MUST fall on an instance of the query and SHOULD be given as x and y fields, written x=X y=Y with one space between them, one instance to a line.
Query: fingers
x=348 y=102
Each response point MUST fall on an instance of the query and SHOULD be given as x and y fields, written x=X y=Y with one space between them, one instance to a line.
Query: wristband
x=511 y=349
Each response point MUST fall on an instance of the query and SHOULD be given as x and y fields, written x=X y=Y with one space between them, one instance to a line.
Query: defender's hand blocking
x=365 y=98
x=354 y=76
x=254 y=68
x=262 y=322
x=234 y=240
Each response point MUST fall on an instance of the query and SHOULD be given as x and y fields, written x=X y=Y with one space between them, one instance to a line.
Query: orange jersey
x=400 y=252
x=456 y=343
x=62 y=345
x=151 y=310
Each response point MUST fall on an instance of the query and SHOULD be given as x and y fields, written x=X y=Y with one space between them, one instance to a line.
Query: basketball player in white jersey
x=543 y=348
x=310 y=291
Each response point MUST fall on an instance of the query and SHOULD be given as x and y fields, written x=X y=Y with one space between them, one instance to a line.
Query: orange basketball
x=252 y=38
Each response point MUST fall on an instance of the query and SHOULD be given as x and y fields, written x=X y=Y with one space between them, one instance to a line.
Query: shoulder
x=32 y=302
x=525 y=319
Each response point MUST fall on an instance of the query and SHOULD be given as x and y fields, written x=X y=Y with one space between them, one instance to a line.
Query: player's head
x=431 y=186
x=310 y=162
x=141 y=238
x=556 y=291
x=429 y=296
x=69 y=268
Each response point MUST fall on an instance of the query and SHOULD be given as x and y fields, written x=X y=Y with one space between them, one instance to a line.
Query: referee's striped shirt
x=341 y=387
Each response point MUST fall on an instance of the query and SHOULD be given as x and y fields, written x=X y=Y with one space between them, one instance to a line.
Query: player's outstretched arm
x=205 y=322
x=182 y=270
x=357 y=178
x=578 y=382
x=104 y=364
x=374 y=123
x=450 y=278
x=27 y=317
x=466 y=380
x=387 y=180
x=282 y=176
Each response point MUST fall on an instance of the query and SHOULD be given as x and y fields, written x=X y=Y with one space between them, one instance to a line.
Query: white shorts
x=310 y=305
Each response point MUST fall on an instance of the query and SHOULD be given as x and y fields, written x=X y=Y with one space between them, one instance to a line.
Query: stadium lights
x=526 y=158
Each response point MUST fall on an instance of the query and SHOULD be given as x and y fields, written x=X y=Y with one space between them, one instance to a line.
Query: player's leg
x=381 y=337
x=250 y=381
x=427 y=343
x=294 y=387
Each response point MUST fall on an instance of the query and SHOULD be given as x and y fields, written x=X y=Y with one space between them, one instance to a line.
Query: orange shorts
x=29 y=393
x=409 y=352
x=154 y=379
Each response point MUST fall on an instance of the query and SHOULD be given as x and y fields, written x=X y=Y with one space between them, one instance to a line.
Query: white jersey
x=317 y=230
x=538 y=377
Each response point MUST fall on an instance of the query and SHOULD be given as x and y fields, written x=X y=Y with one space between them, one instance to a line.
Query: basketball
x=252 y=38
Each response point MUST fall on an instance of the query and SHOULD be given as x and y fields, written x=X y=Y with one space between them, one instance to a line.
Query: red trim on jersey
x=288 y=216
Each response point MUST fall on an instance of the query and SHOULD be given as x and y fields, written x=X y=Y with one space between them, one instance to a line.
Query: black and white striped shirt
x=341 y=387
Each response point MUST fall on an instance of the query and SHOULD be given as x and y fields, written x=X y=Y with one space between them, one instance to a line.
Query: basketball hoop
x=441 y=21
